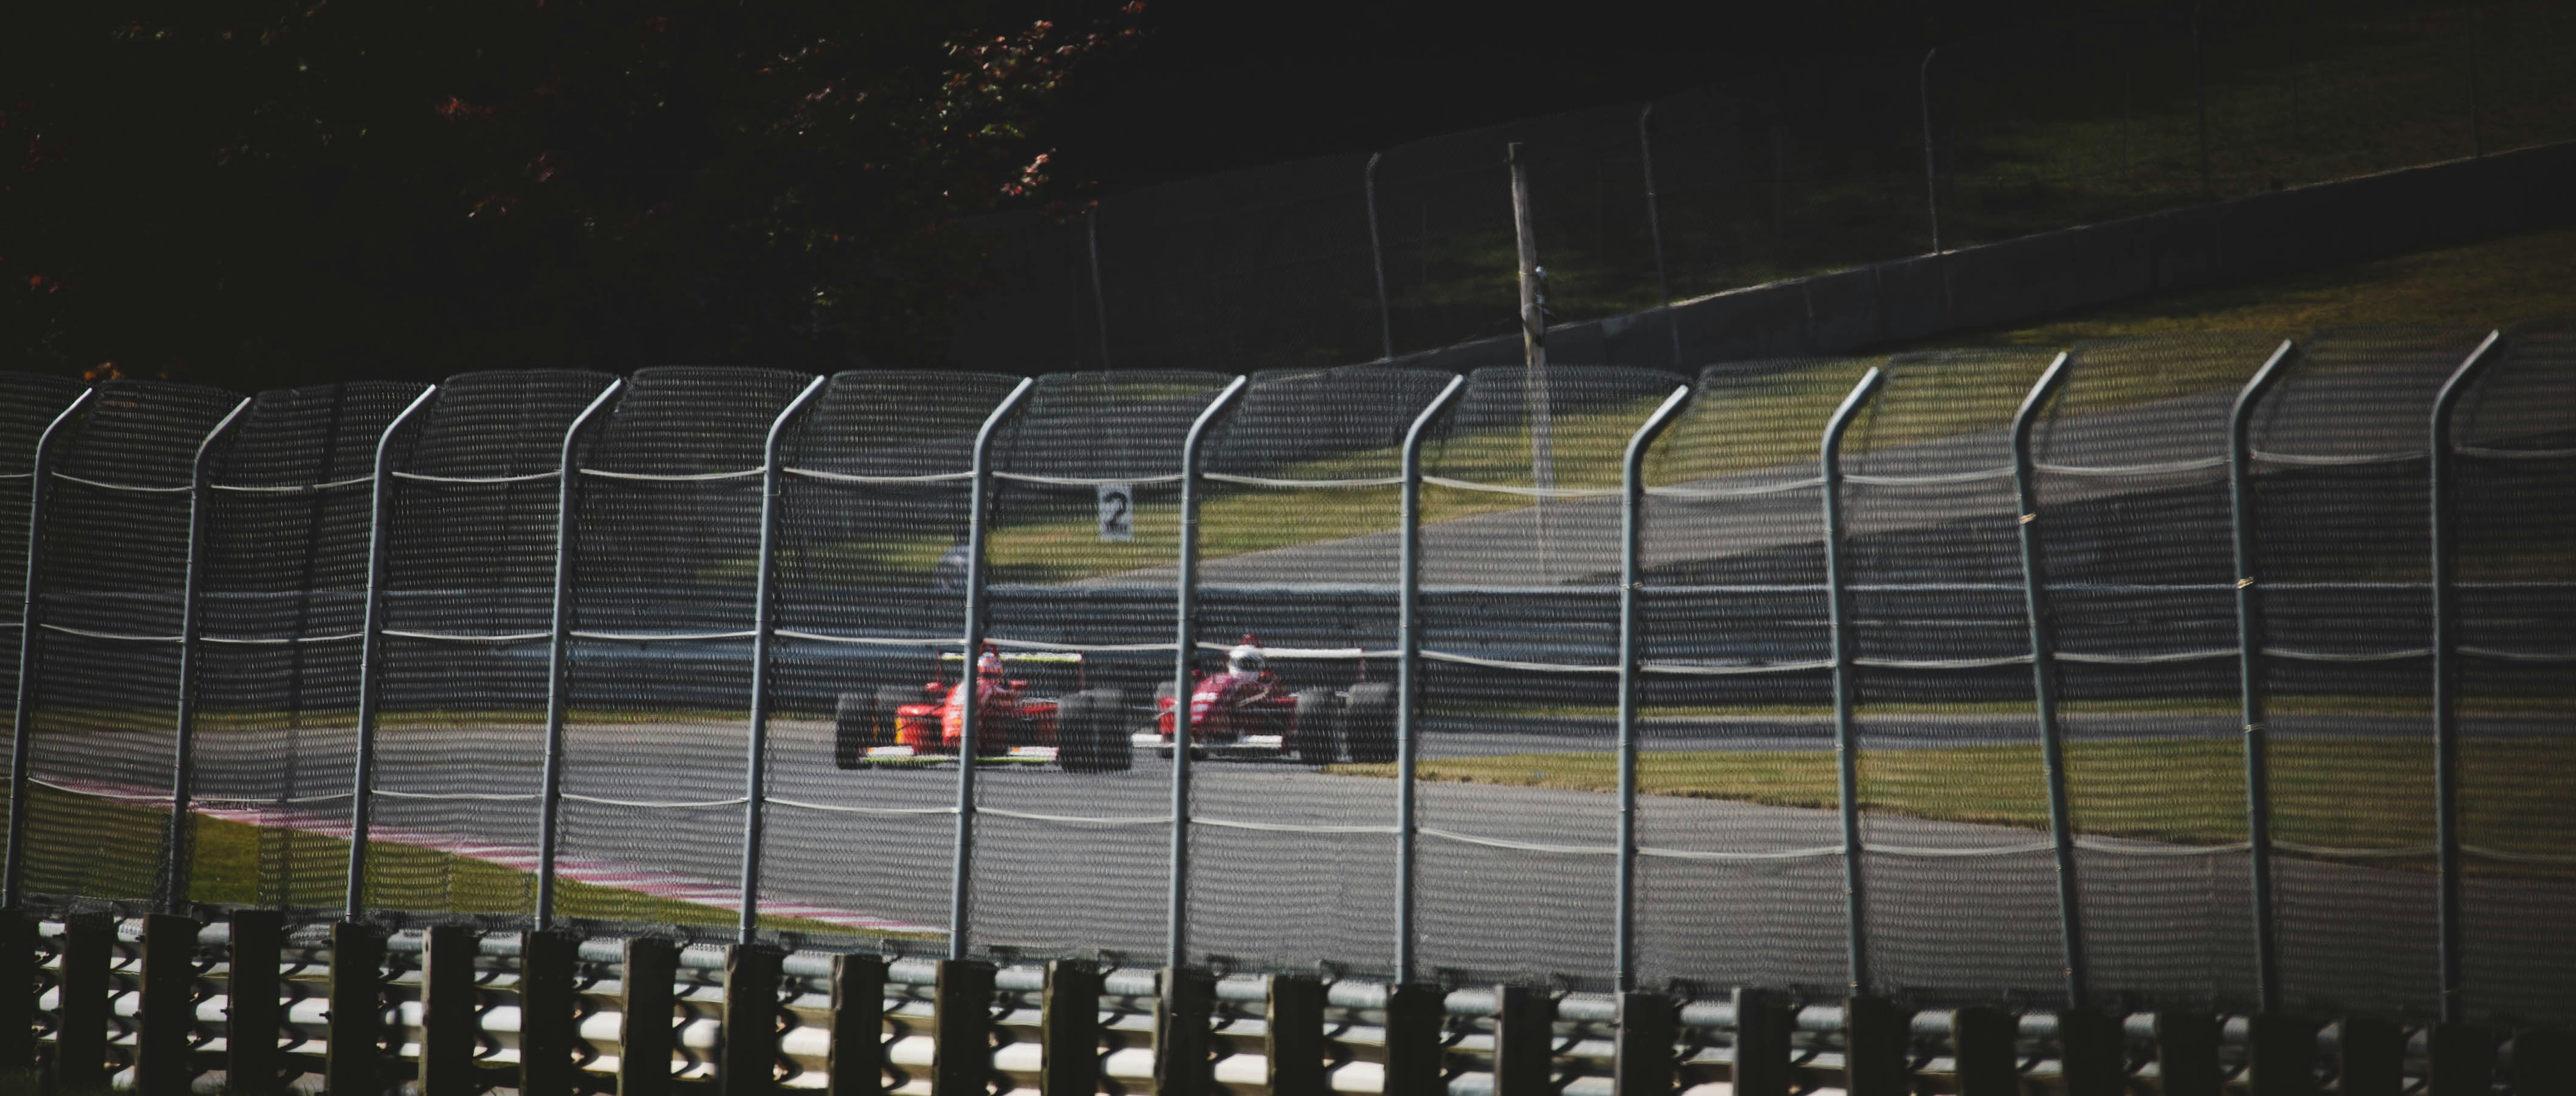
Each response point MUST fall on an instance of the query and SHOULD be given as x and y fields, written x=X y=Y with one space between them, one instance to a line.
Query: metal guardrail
x=1759 y=1044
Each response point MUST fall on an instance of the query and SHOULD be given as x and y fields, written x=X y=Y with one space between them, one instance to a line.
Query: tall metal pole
x=371 y=653
x=2446 y=671
x=2249 y=672
x=1846 y=750
x=1534 y=387
x=755 y=783
x=1188 y=612
x=1377 y=261
x=1631 y=655
x=1931 y=163
x=961 y=864
x=13 y=868
x=1408 y=676
x=550 y=795
x=1099 y=293
x=1655 y=227
x=183 y=761
x=2043 y=669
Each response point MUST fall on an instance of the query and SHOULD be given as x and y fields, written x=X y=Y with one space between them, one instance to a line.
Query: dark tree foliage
x=255 y=192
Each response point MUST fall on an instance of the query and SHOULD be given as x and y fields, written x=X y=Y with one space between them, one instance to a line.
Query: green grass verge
x=80 y=844
x=2367 y=793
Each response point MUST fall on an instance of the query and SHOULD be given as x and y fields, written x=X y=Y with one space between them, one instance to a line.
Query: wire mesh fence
x=1823 y=165
x=1965 y=628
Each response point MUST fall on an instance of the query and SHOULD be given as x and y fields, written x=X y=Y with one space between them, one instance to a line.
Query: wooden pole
x=645 y=1006
x=1293 y=1050
x=450 y=1021
x=858 y=1056
x=169 y=1006
x=254 y=1003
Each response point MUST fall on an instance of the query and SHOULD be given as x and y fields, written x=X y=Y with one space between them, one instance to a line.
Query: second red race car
x=1246 y=712
x=1078 y=729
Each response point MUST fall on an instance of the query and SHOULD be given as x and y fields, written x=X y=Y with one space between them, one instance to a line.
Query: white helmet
x=1245 y=659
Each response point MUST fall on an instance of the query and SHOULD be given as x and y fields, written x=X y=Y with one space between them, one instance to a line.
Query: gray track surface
x=1486 y=912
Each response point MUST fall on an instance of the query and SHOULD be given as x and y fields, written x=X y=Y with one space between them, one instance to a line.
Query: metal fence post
x=1631 y=531
x=1846 y=751
x=1931 y=162
x=1099 y=293
x=371 y=653
x=755 y=785
x=962 y=860
x=1377 y=261
x=183 y=760
x=2249 y=672
x=2043 y=669
x=2446 y=670
x=550 y=796
x=1408 y=677
x=1184 y=647
x=1655 y=227
x=13 y=868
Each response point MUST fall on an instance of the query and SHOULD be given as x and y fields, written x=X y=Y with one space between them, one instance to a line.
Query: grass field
x=2344 y=794
x=84 y=845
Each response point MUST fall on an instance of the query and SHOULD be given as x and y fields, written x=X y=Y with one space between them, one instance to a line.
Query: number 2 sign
x=1117 y=511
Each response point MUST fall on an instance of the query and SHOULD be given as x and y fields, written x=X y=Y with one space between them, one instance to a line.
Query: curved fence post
x=183 y=761
x=1185 y=646
x=1408 y=679
x=2446 y=672
x=2249 y=670
x=1631 y=529
x=13 y=868
x=1846 y=751
x=550 y=796
x=962 y=859
x=765 y=612
x=1931 y=161
x=371 y=685
x=2043 y=669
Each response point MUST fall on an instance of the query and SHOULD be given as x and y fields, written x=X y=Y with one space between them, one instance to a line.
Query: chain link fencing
x=1818 y=166
x=1963 y=628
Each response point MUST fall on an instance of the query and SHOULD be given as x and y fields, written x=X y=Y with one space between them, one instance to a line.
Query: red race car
x=1246 y=713
x=1078 y=729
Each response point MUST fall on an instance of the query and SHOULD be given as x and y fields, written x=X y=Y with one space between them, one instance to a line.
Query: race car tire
x=853 y=724
x=1368 y=725
x=1074 y=750
x=1111 y=750
x=1315 y=736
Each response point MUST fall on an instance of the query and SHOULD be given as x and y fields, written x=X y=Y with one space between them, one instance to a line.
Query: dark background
x=254 y=193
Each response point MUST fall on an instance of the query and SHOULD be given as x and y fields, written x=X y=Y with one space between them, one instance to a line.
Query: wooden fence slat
x=355 y=1048
x=2092 y=1051
x=18 y=967
x=2370 y=1057
x=1982 y=1051
x=2280 y=1055
x=1764 y=1022
x=2187 y=1053
x=1642 y=1060
x=1416 y=1020
x=254 y=1003
x=1293 y=1050
x=549 y=965
x=1069 y=1029
x=167 y=1014
x=961 y=1061
x=2463 y=1061
x=647 y=1006
x=857 y=1065
x=1182 y=1013
x=747 y=1062
x=1524 y=1041
x=1875 y=1058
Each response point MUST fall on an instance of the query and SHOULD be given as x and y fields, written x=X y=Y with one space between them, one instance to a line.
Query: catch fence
x=2138 y=674
x=1818 y=166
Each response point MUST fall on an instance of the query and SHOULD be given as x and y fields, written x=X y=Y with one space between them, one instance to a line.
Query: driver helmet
x=990 y=666
x=1246 y=657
